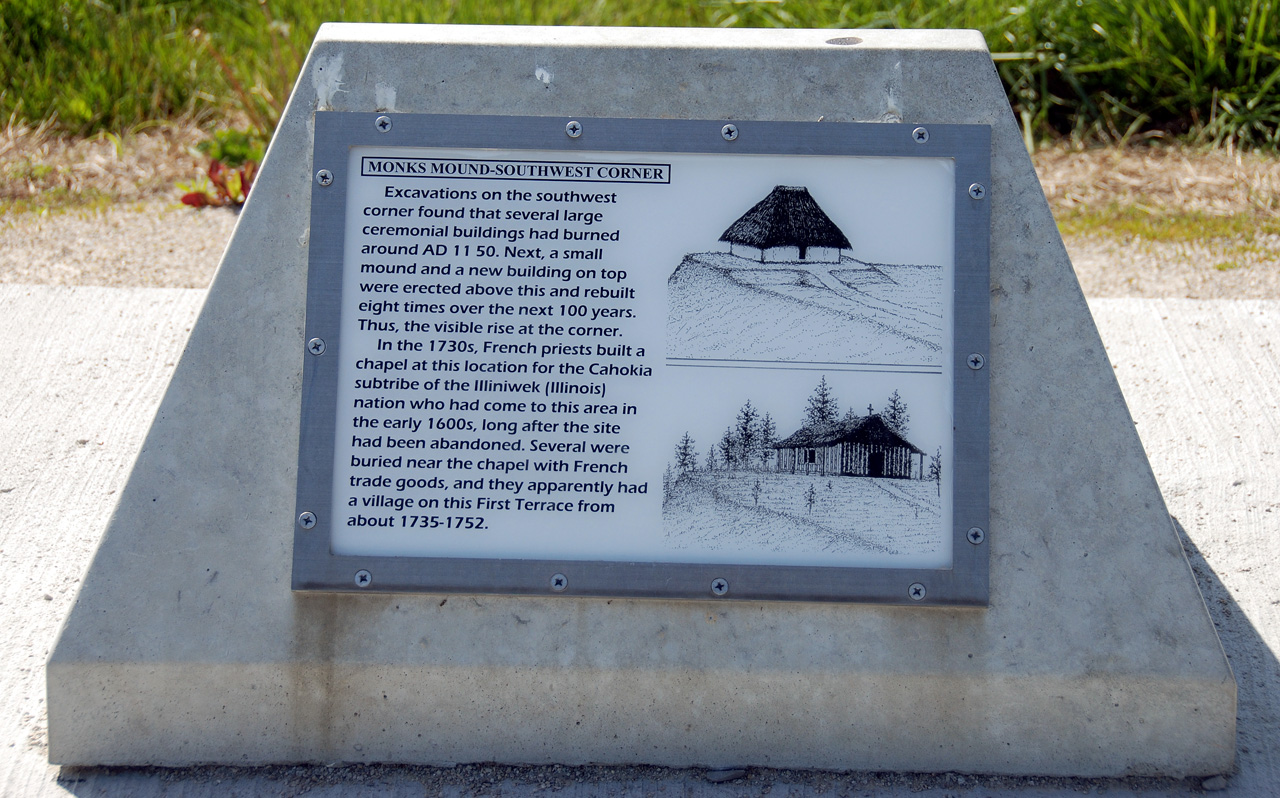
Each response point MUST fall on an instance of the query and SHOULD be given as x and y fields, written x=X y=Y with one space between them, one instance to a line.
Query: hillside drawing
x=789 y=289
x=851 y=484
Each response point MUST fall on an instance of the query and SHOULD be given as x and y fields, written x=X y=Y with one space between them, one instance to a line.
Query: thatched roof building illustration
x=786 y=226
x=863 y=447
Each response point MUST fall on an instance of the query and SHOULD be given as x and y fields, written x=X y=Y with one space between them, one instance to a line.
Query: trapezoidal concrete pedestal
x=1096 y=656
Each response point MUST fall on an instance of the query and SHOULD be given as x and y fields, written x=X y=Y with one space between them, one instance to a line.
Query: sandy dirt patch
x=150 y=244
x=116 y=220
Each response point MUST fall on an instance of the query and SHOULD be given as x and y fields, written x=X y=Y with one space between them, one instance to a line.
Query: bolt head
x=920 y=135
x=916 y=591
x=383 y=124
x=975 y=535
x=729 y=132
x=977 y=191
x=316 y=346
x=976 y=361
x=559 y=583
x=307 y=520
x=363 y=578
x=573 y=129
x=719 y=586
x=324 y=177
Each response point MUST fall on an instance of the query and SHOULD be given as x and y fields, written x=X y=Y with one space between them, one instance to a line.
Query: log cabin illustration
x=862 y=447
x=785 y=227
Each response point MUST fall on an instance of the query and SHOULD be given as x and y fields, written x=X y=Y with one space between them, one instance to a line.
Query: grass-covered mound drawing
x=801 y=513
x=789 y=289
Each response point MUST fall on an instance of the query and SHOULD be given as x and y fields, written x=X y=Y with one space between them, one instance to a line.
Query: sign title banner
x=690 y=364
x=462 y=168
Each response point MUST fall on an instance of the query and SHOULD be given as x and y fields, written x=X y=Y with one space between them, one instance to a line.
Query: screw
x=307 y=520
x=729 y=132
x=719 y=586
x=976 y=535
x=363 y=578
x=316 y=346
x=559 y=582
x=977 y=190
x=916 y=591
x=976 y=361
x=324 y=177
x=383 y=124
x=921 y=135
x=573 y=129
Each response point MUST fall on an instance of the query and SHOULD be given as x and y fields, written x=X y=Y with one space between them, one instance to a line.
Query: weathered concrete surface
x=1096 y=658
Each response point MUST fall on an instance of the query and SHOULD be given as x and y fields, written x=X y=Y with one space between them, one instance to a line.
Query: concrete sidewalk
x=88 y=366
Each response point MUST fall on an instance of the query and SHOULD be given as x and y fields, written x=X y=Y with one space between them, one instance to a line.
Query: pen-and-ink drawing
x=786 y=287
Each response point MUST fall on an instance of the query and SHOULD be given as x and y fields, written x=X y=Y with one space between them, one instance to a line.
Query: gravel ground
x=159 y=244
x=151 y=244
x=141 y=237
x=1109 y=267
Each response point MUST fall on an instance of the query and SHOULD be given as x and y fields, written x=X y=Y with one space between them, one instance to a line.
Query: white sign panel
x=652 y=357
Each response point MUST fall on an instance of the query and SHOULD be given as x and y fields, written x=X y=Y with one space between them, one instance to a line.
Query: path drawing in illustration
x=838 y=484
x=789 y=289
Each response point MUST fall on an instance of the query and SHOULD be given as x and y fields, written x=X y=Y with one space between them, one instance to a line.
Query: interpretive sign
x=646 y=358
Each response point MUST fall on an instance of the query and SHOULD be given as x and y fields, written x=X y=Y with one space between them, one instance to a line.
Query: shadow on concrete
x=591 y=780
x=1255 y=667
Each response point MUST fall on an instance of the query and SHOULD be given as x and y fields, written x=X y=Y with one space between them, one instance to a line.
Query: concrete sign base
x=1096 y=656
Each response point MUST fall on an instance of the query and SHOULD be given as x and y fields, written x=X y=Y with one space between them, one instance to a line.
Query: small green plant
x=233 y=156
x=29 y=171
x=234 y=148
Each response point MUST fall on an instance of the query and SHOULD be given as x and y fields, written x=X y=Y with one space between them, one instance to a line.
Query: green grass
x=1203 y=70
x=1232 y=238
x=1128 y=222
x=1207 y=68
x=95 y=65
x=56 y=200
x=27 y=169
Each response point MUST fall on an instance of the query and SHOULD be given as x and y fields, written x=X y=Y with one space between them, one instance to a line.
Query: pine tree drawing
x=729 y=449
x=686 y=456
x=895 y=414
x=823 y=407
x=768 y=436
x=748 y=435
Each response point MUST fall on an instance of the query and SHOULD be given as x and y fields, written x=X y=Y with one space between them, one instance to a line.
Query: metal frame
x=315 y=568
